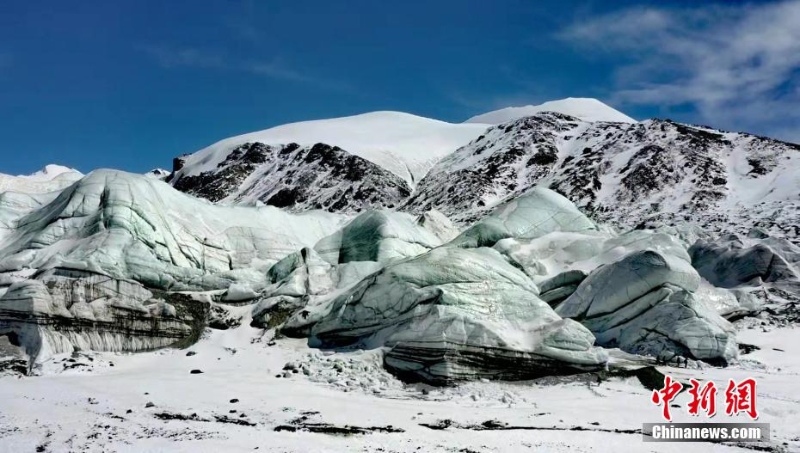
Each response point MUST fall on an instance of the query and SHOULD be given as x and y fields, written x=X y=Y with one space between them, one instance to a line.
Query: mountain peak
x=404 y=144
x=587 y=109
x=49 y=172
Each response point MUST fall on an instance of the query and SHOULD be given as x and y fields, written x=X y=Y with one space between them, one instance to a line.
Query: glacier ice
x=456 y=313
x=377 y=235
x=123 y=262
x=66 y=310
x=644 y=304
x=532 y=215
x=129 y=226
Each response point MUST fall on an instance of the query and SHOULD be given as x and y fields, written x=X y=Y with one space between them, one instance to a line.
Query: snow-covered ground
x=238 y=403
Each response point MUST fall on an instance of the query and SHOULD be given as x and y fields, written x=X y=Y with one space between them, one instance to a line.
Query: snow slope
x=587 y=109
x=48 y=179
x=404 y=144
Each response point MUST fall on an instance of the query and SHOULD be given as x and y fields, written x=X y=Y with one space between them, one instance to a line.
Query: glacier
x=534 y=287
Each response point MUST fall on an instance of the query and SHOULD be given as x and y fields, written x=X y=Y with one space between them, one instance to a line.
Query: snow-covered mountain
x=403 y=144
x=587 y=109
x=48 y=179
x=624 y=173
x=614 y=168
x=297 y=178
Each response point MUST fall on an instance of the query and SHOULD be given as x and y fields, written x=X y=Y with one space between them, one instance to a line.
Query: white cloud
x=737 y=66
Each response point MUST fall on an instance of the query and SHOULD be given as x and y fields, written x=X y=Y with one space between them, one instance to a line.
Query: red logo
x=739 y=398
x=705 y=398
x=666 y=394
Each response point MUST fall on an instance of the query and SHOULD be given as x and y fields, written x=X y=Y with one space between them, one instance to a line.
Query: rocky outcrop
x=633 y=174
x=296 y=178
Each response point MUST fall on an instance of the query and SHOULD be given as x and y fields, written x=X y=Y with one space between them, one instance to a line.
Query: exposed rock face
x=628 y=174
x=297 y=178
x=643 y=304
x=65 y=310
x=507 y=160
x=456 y=313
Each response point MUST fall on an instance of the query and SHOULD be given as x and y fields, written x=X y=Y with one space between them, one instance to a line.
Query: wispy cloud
x=737 y=66
x=172 y=57
x=276 y=69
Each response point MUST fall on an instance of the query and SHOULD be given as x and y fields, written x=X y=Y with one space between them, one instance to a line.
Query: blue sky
x=130 y=85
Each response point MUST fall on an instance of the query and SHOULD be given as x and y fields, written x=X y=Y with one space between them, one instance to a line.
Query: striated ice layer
x=129 y=226
x=644 y=304
x=377 y=235
x=456 y=313
x=67 y=310
x=532 y=215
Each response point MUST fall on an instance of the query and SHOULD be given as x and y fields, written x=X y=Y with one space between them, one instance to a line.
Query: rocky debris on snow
x=302 y=423
x=221 y=318
x=158 y=173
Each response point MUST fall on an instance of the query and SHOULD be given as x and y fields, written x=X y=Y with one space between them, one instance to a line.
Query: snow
x=48 y=179
x=404 y=144
x=587 y=109
x=49 y=172
x=86 y=408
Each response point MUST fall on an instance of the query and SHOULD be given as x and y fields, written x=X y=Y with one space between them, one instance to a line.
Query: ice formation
x=124 y=262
